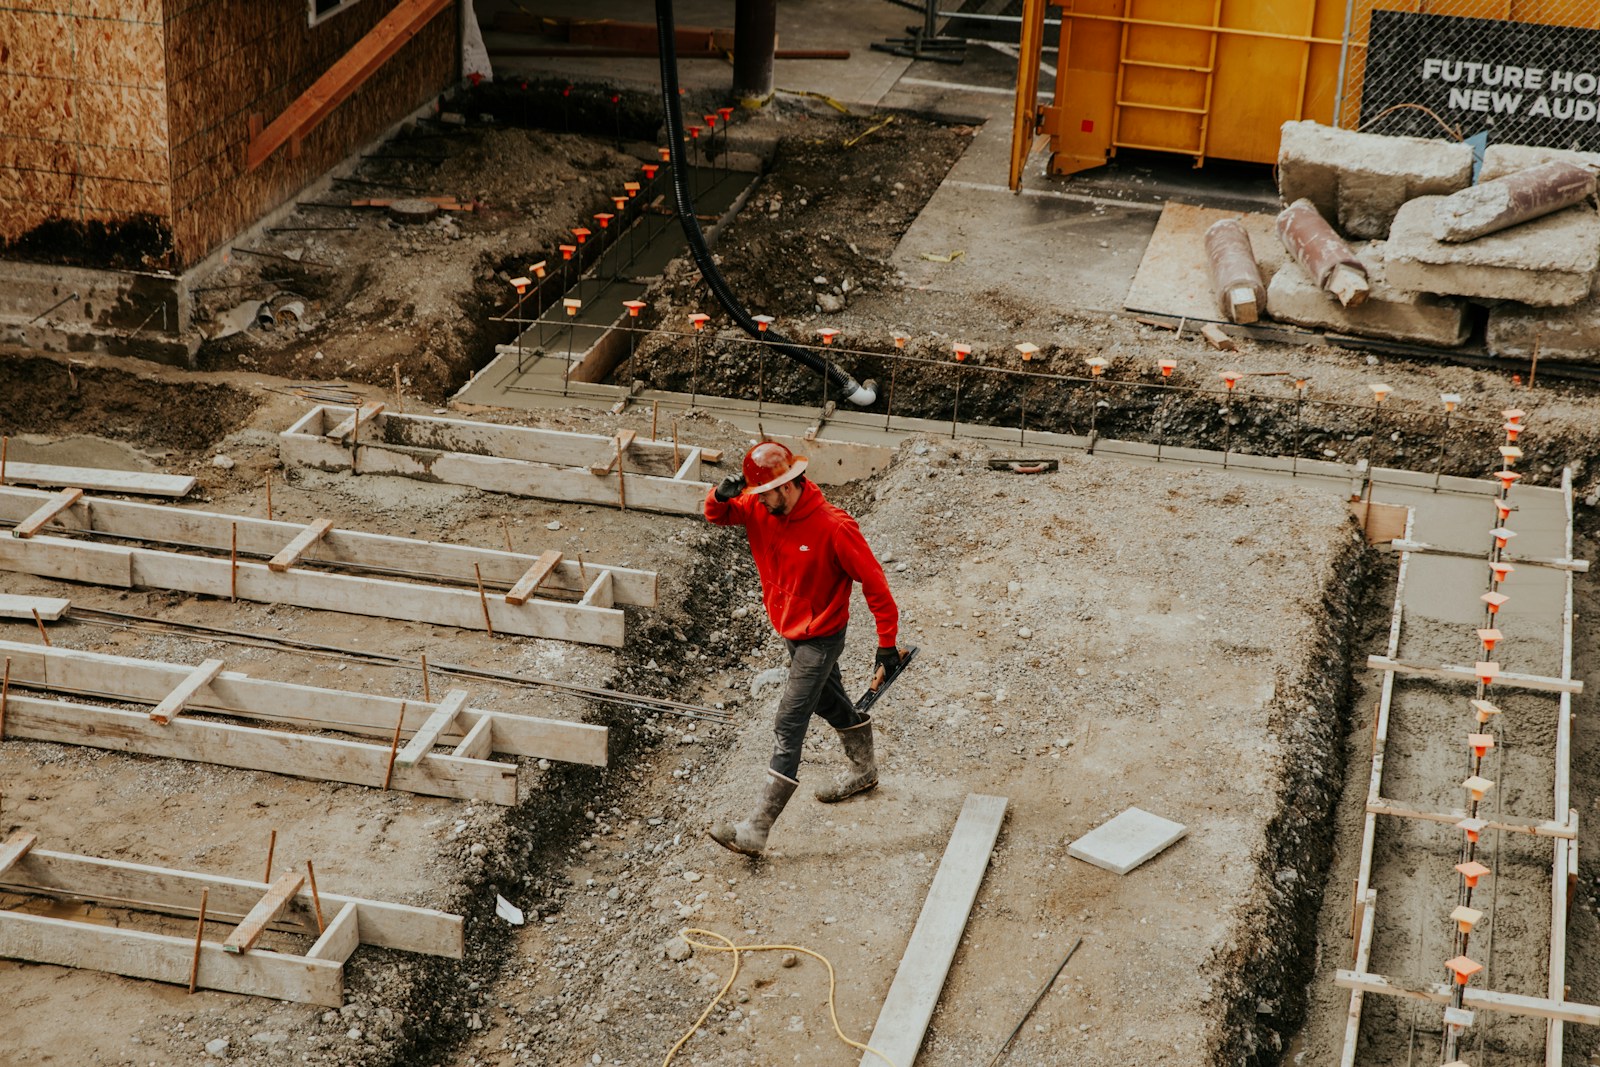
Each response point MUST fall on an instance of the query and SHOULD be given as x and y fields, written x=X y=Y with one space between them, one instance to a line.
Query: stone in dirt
x=1549 y=262
x=1360 y=180
x=1397 y=314
x=1127 y=840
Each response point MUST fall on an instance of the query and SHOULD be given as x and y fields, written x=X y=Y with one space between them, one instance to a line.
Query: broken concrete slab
x=1570 y=334
x=1360 y=180
x=1389 y=312
x=1127 y=840
x=1549 y=262
x=1502 y=159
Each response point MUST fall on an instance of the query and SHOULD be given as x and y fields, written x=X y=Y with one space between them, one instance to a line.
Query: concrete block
x=1127 y=840
x=1396 y=314
x=1502 y=159
x=1549 y=262
x=1570 y=334
x=1358 y=181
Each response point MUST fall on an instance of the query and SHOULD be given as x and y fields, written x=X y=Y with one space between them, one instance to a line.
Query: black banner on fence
x=1519 y=82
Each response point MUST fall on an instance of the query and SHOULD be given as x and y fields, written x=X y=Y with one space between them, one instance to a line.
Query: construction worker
x=808 y=553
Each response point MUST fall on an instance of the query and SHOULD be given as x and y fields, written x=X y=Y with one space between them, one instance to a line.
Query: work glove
x=885 y=665
x=730 y=487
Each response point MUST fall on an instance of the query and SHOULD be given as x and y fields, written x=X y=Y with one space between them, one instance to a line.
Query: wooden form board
x=144 y=681
x=377 y=553
x=906 y=1011
x=315 y=978
x=1538 y=683
x=50 y=608
x=1472 y=999
x=100 y=480
x=142 y=568
x=257 y=748
x=549 y=464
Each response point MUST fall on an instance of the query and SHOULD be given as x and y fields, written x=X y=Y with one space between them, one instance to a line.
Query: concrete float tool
x=882 y=679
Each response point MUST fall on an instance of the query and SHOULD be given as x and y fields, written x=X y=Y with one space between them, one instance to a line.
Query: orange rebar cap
x=769 y=465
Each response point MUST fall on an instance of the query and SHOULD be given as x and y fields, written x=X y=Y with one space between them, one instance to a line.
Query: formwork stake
x=316 y=898
x=394 y=745
x=426 y=695
x=483 y=599
x=269 y=496
x=37 y=621
x=1451 y=402
x=272 y=846
x=199 y=932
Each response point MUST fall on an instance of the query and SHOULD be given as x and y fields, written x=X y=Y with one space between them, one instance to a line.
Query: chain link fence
x=1487 y=71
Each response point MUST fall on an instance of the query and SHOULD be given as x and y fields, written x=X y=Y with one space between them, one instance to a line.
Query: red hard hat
x=769 y=465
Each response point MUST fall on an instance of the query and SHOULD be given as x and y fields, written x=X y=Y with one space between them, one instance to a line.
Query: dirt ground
x=1188 y=635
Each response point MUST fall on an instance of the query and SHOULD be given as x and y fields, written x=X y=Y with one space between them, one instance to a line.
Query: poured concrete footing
x=1549 y=262
x=1388 y=312
x=1358 y=181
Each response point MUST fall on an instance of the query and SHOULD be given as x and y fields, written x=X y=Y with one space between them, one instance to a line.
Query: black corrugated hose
x=859 y=394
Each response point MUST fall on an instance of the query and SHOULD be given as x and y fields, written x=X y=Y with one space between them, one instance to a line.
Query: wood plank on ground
x=173 y=703
x=1535 y=682
x=164 y=958
x=327 y=759
x=373 y=552
x=619 y=448
x=49 y=608
x=267 y=909
x=124 y=678
x=45 y=512
x=906 y=1011
x=341 y=937
x=529 y=583
x=303 y=540
x=100 y=479
x=423 y=740
x=14 y=848
x=177 y=892
x=1439 y=993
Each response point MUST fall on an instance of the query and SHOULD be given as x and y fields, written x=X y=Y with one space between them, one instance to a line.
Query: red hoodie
x=807 y=560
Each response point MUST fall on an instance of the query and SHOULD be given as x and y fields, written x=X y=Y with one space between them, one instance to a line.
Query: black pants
x=814 y=688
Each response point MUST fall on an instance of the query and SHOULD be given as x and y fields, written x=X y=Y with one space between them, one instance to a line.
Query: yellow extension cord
x=728 y=946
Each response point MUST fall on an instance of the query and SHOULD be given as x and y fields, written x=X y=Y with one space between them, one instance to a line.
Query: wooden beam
x=109 y=565
x=302 y=541
x=50 y=608
x=177 y=892
x=267 y=910
x=906 y=1011
x=325 y=759
x=690 y=467
x=423 y=740
x=373 y=553
x=186 y=690
x=599 y=594
x=58 y=503
x=528 y=584
x=14 y=848
x=98 y=479
x=365 y=413
x=343 y=78
x=478 y=741
x=122 y=678
x=352 y=594
x=341 y=937
x=1535 y=682
x=1580 y=566
x=619 y=448
x=1539 y=828
x=1473 y=999
x=163 y=958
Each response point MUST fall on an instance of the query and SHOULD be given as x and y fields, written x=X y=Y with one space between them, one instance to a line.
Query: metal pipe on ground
x=1501 y=203
x=1326 y=257
x=1235 y=275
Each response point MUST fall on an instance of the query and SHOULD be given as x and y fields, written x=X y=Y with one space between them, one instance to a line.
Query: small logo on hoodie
x=805 y=548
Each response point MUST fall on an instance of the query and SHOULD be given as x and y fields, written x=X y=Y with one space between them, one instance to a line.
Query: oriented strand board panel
x=1127 y=840
x=1173 y=278
x=906 y=1011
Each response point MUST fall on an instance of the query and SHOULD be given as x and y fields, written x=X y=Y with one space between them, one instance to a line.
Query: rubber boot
x=863 y=772
x=750 y=835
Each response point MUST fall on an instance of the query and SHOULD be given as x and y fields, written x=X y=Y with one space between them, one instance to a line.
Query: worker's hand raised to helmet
x=730 y=487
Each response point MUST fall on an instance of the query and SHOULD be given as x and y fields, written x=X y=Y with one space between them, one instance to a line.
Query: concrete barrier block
x=1570 y=334
x=1388 y=312
x=1549 y=262
x=1502 y=159
x=1358 y=181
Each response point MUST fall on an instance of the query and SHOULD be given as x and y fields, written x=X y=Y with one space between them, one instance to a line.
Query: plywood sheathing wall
x=84 y=138
x=227 y=59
